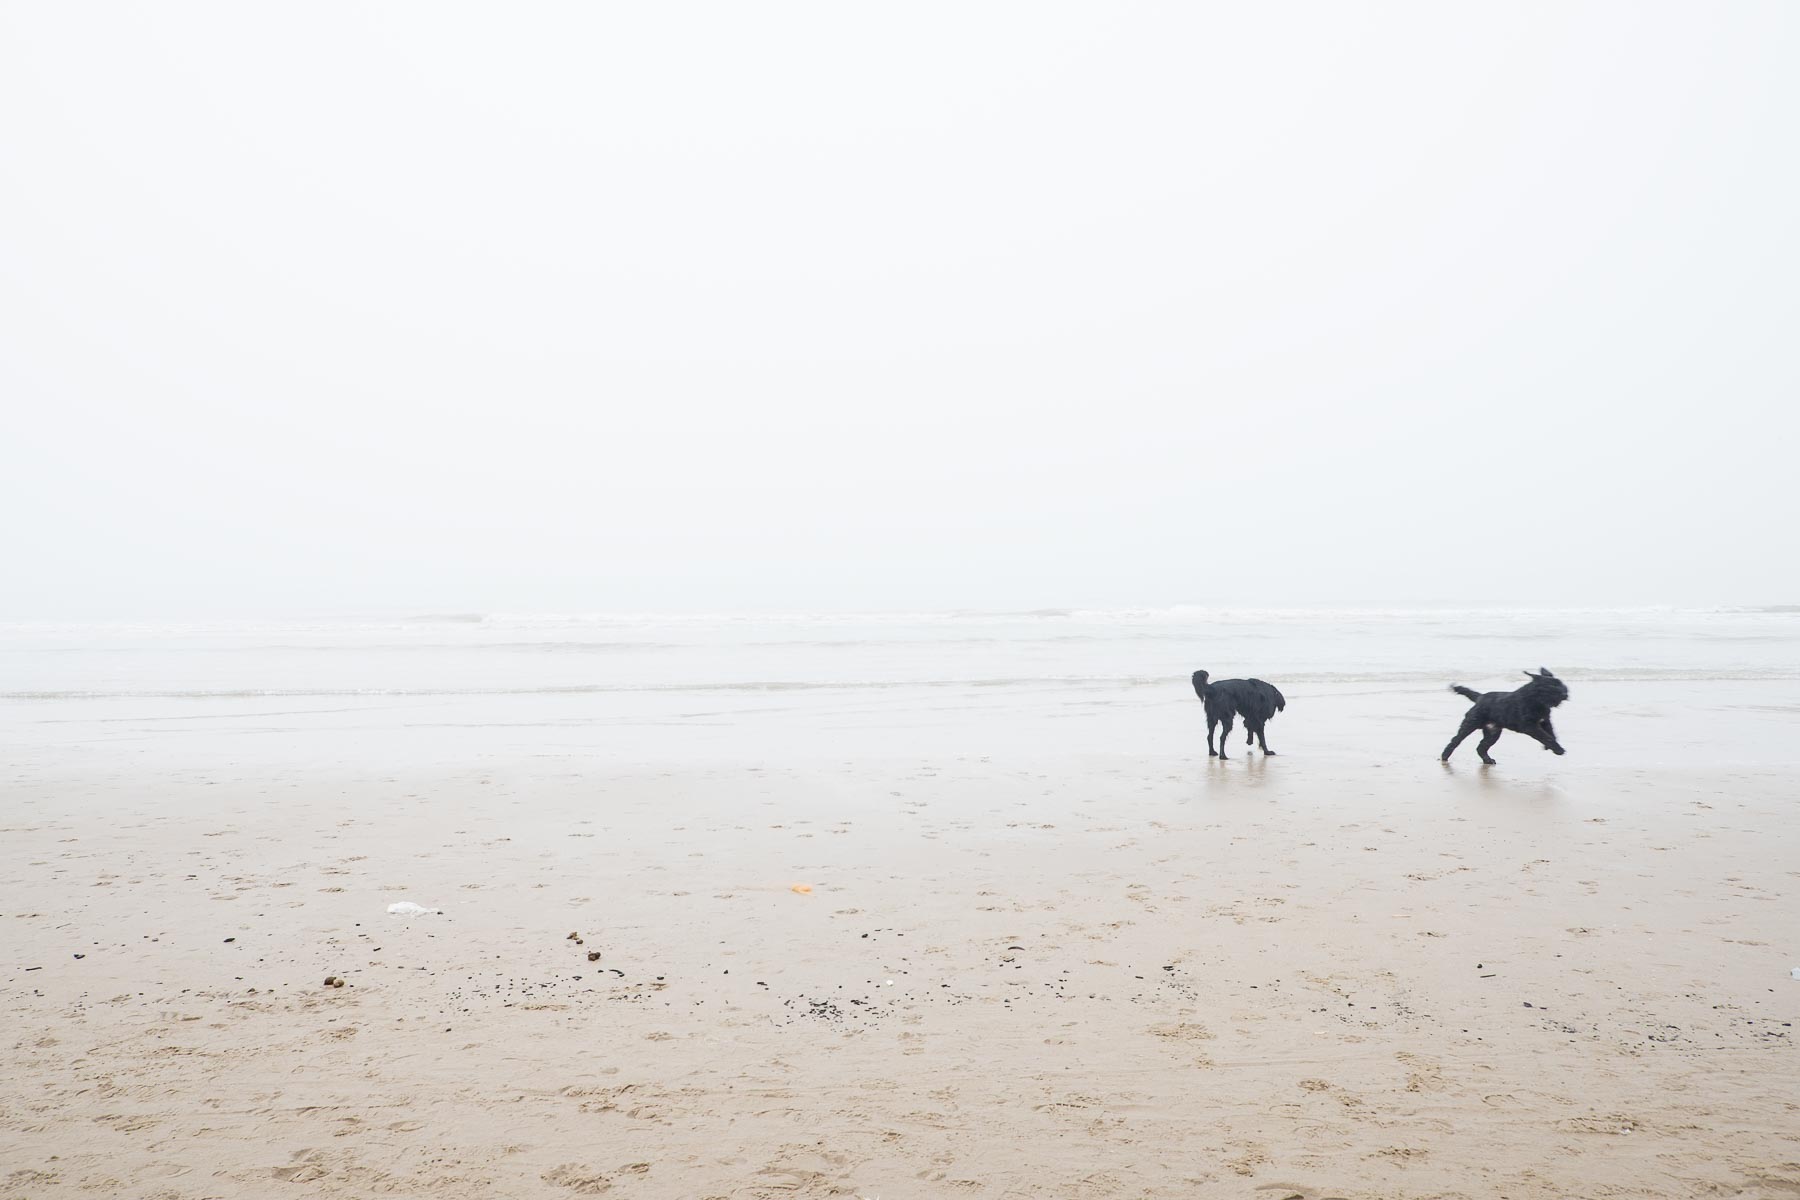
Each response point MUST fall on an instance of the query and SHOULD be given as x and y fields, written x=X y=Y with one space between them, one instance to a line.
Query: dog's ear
x=1530 y=674
x=1544 y=672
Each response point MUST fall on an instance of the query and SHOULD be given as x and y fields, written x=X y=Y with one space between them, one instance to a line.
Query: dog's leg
x=1262 y=735
x=1488 y=739
x=1210 y=723
x=1224 y=734
x=1545 y=736
x=1249 y=734
x=1469 y=725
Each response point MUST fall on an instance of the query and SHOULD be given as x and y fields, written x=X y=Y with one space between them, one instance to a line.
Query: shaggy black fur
x=1258 y=702
x=1525 y=711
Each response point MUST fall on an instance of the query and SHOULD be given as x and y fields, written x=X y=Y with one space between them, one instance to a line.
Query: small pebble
x=593 y=956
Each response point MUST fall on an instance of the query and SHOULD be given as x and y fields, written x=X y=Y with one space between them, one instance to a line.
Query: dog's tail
x=1460 y=690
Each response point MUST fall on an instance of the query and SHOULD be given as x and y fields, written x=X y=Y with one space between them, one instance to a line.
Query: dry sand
x=1050 y=974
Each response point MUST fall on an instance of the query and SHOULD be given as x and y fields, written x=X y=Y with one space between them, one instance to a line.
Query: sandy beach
x=1345 y=971
x=601 y=600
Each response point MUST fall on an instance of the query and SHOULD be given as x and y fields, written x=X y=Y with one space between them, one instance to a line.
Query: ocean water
x=697 y=683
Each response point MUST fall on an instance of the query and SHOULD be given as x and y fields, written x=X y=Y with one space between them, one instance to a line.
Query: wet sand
x=1041 y=972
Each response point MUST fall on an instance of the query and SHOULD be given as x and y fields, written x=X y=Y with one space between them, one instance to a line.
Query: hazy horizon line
x=451 y=614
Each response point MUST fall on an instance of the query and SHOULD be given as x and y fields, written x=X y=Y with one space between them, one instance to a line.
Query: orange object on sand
x=805 y=889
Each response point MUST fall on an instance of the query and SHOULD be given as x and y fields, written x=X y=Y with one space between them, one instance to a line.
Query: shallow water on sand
x=1651 y=686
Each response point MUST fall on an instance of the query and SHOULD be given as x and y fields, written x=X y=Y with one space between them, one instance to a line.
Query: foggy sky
x=338 y=306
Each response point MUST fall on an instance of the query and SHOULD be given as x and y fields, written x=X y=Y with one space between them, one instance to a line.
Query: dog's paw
x=1558 y=751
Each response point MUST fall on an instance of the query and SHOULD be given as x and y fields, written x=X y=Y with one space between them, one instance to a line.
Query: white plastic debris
x=406 y=908
x=1795 y=973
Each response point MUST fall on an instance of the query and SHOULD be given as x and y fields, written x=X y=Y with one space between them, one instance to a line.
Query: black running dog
x=1525 y=711
x=1257 y=701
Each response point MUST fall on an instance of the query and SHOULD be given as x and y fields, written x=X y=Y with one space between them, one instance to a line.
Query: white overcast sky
x=596 y=306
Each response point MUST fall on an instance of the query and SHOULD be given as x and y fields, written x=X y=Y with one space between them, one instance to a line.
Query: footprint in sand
x=583 y=1181
x=1183 y=1031
x=300 y=1173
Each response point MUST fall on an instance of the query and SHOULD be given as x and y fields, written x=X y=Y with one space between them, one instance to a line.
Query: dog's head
x=1200 y=678
x=1547 y=687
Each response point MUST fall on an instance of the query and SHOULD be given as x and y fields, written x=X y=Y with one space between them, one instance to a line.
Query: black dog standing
x=1526 y=711
x=1256 y=700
